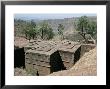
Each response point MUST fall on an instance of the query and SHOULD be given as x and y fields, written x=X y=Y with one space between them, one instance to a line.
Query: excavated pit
x=44 y=57
x=56 y=62
x=19 y=57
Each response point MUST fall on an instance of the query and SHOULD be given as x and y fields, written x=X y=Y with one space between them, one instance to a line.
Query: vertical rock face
x=39 y=56
x=19 y=57
x=70 y=53
x=86 y=48
x=56 y=62
x=45 y=57
x=37 y=62
x=86 y=66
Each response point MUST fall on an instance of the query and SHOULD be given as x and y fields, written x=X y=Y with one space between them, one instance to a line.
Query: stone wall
x=41 y=57
x=69 y=58
x=86 y=48
x=43 y=64
x=45 y=57
x=37 y=63
x=68 y=51
x=56 y=62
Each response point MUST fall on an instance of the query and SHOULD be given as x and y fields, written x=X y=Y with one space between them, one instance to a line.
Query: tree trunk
x=42 y=34
x=83 y=35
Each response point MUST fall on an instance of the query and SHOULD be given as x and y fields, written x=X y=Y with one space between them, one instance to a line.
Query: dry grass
x=21 y=72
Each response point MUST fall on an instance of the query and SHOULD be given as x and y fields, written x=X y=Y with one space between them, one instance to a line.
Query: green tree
x=33 y=24
x=19 y=26
x=92 y=28
x=44 y=31
x=38 y=32
x=85 y=26
x=81 y=25
x=50 y=33
x=60 y=30
x=29 y=31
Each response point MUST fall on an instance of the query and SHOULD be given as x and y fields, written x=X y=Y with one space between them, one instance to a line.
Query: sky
x=48 y=16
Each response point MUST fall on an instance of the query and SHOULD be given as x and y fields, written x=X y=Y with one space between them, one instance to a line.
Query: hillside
x=35 y=31
x=86 y=66
x=68 y=24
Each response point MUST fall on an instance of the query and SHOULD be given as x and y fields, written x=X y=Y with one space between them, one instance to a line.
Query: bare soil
x=20 y=42
x=86 y=66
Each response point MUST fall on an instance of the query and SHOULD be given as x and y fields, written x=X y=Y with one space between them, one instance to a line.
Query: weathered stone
x=67 y=52
x=67 y=57
x=41 y=63
x=40 y=56
x=44 y=57
x=86 y=48
x=68 y=65
x=29 y=66
x=43 y=69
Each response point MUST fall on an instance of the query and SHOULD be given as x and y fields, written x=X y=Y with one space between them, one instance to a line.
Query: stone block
x=68 y=65
x=86 y=48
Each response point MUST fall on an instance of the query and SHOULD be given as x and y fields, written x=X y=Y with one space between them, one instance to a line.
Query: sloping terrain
x=68 y=23
x=20 y=42
x=86 y=66
x=20 y=72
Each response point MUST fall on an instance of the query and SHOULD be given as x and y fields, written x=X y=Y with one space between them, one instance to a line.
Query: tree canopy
x=44 y=31
x=29 y=31
x=85 y=26
x=60 y=30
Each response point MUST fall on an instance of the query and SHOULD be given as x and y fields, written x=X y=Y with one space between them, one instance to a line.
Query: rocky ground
x=20 y=42
x=86 y=66
x=20 y=72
